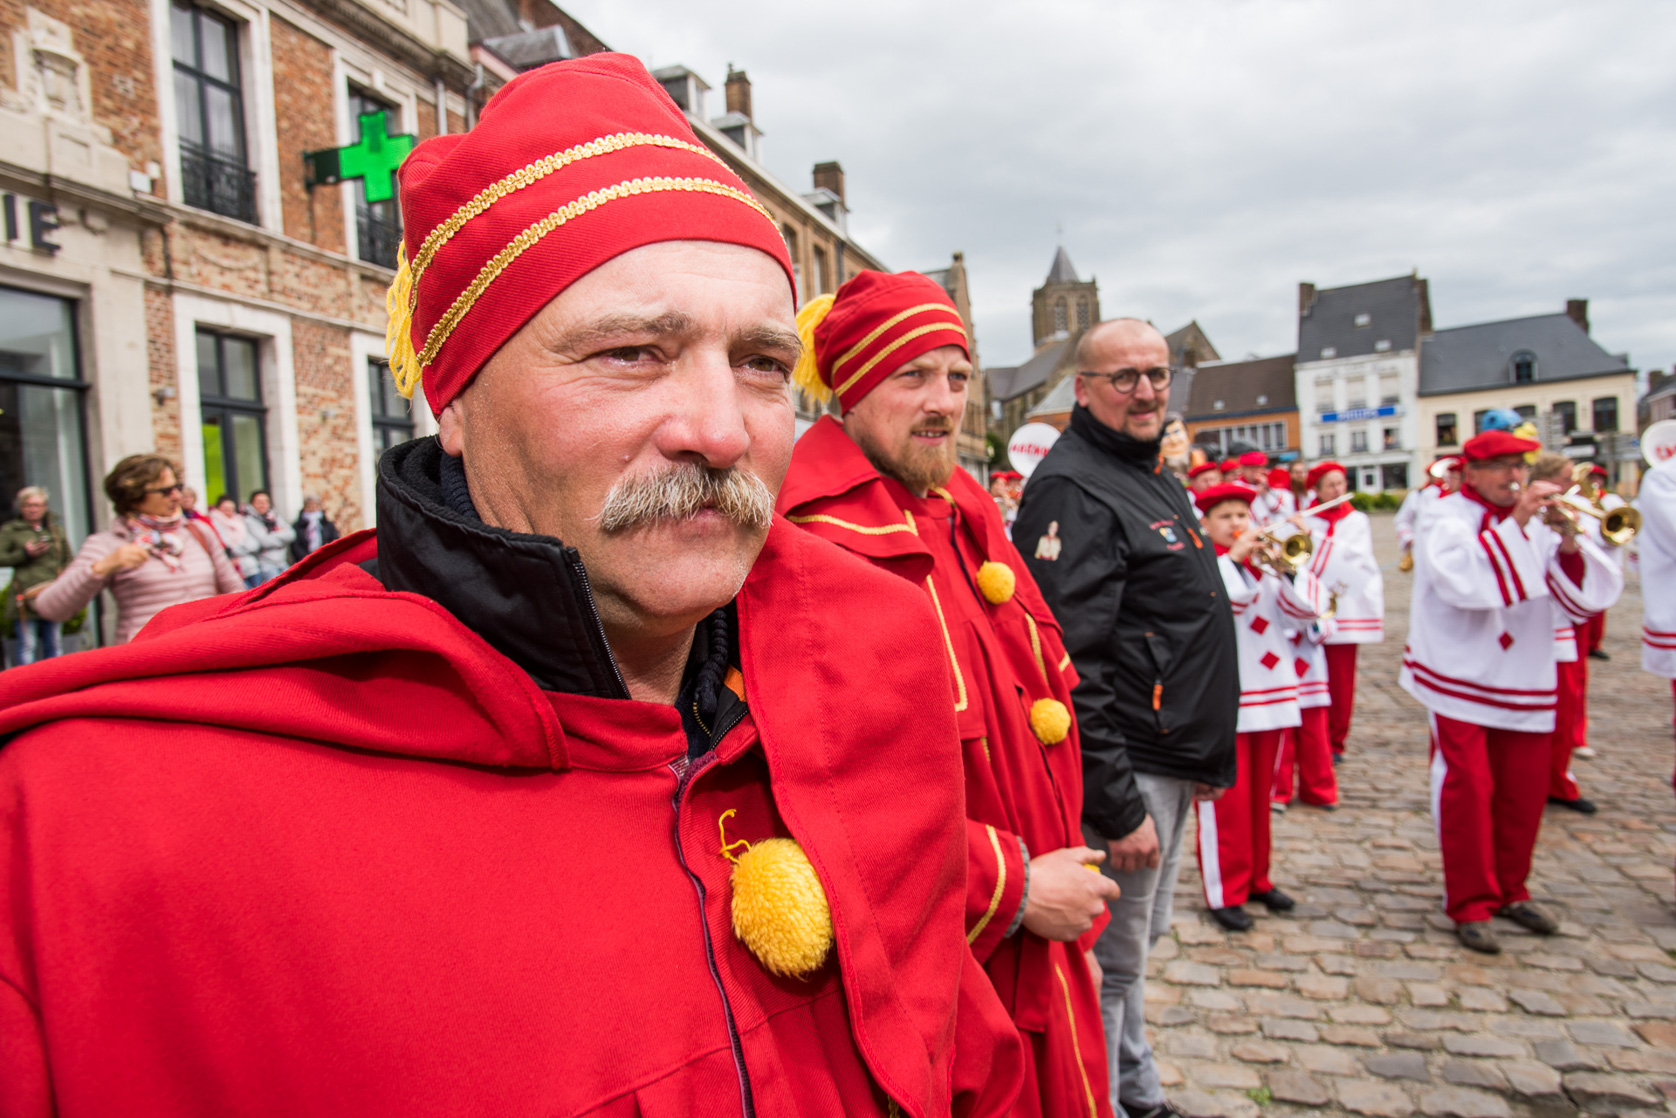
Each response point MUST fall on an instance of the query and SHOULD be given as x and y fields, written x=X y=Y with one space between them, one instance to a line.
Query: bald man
x=1114 y=544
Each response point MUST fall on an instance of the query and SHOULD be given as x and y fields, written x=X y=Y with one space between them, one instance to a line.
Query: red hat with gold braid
x=569 y=166
x=877 y=323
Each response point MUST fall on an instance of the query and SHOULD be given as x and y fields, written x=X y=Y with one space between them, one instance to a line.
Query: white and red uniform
x=1480 y=657
x=1656 y=543
x=1233 y=847
x=1307 y=747
x=1345 y=564
x=1272 y=505
x=1597 y=624
x=1408 y=514
x=1571 y=715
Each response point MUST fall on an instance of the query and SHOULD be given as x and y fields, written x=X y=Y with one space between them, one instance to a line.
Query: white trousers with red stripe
x=1489 y=787
x=1233 y=846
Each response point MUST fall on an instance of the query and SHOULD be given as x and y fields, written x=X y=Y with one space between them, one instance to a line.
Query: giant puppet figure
x=584 y=786
x=1481 y=658
x=884 y=483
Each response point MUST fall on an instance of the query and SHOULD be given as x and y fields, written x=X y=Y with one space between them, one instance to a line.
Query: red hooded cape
x=319 y=849
x=1007 y=656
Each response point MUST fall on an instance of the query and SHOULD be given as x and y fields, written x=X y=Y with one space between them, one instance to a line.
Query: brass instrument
x=1284 y=555
x=1617 y=526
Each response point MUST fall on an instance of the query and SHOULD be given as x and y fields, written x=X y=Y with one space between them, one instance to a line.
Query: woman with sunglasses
x=152 y=557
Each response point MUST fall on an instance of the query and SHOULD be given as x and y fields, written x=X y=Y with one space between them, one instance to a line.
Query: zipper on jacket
x=685 y=773
x=574 y=561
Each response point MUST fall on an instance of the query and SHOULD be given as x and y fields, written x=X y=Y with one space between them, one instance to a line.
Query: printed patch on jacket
x=1047 y=547
x=1167 y=529
x=1259 y=625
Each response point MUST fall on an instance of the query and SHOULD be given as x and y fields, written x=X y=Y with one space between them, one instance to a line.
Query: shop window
x=42 y=436
x=1606 y=414
x=215 y=169
x=234 y=419
x=1446 y=435
x=378 y=225
x=1394 y=476
x=392 y=414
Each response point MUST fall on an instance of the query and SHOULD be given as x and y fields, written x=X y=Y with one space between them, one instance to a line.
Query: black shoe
x=1581 y=805
x=1165 y=1109
x=1527 y=915
x=1274 y=900
x=1599 y=654
x=1234 y=918
x=1337 y=757
x=1479 y=936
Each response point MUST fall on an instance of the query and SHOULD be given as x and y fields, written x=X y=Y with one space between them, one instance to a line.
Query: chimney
x=1578 y=311
x=738 y=92
x=1306 y=296
x=830 y=176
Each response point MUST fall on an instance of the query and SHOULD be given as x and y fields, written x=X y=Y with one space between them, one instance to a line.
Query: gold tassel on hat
x=807 y=376
x=398 y=335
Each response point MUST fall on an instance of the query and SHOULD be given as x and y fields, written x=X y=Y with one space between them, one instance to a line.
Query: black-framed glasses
x=1125 y=380
x=168 y=490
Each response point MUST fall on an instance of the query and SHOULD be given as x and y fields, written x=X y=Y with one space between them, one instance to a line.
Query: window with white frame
x=1328 y=444
x=1358 y=442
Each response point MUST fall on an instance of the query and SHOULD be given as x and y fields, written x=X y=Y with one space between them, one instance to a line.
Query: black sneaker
x=1582 y=804
x=1234 y=918
x=1527 y=915
x=1274 y=900
x=1479 y=936
x=1599 y=654
x=1165 y=1109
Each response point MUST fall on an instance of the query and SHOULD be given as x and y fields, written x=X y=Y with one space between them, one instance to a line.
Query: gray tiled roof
x=1032 y=374
x=1057 y=402
x=1238 y=384
x=489 y=19
x=525 y=50
x=1061 y=271
x=1393 y=307
x=1472 y=357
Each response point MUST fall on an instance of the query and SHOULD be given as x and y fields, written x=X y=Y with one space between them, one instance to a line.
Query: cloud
x=1204 y=157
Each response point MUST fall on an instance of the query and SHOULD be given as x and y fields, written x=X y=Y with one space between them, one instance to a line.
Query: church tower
x=1064 y=305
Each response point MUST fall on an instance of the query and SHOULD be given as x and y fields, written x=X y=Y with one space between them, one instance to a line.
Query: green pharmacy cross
x=373 y=160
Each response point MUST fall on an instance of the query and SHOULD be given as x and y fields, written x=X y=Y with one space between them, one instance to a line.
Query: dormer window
x=1364 y=319
x=1261 y=400
x=1329 y=352
x=1219 y=405
x=1383 y=345
x=1523 y=367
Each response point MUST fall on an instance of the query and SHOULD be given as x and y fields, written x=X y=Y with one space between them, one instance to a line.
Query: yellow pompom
x=807 y=375
x=995 y=582
x=1049 y=721
x=398 y=334
x=779 y=908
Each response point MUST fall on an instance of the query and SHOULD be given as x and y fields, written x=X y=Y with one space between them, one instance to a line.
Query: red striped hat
x=877 y=323
x=570 y=165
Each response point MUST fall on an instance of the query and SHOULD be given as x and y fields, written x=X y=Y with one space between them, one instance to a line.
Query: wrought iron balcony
x=378 y=231
x=218 y=184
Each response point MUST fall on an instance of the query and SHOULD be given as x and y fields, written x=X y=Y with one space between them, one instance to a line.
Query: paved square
x=1362 y=1002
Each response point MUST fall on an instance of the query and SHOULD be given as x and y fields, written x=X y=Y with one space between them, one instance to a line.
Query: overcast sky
x=1204 y=156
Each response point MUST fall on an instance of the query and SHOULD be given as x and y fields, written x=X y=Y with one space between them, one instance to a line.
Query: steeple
x=1062 y=271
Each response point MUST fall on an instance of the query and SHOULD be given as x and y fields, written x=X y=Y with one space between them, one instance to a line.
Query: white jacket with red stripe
x=1344 y=563
x=1273 y=505
x=1265 y=611
x=1656 y=544
x=1481 y=630
x=1309 y=659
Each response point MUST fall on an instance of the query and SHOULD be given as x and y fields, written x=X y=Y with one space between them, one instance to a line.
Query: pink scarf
x=161 y=536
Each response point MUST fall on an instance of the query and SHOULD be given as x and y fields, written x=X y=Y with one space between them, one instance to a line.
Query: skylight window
x=1328 y=352
x=1383 y=345
x=1364 y=319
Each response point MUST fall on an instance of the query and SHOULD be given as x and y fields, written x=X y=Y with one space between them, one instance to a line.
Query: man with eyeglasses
x=1149 y=630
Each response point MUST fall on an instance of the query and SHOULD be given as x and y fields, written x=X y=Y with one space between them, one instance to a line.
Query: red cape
x=1008 y=656
x=282 y=854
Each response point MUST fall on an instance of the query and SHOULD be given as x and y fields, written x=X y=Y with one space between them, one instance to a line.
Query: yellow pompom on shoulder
x=780 y=911
x=1049 y=721
x=996 y=582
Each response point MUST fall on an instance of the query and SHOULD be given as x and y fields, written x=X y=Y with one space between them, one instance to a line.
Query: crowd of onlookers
x=159 y=551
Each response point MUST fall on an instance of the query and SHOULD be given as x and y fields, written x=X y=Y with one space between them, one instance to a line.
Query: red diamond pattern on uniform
x=1269 y=659
x=1506 y=641
x=1300 y=666
x=1259 y=625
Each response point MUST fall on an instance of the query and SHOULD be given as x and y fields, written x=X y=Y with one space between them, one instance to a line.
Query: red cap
x=569 y=166
x=1229 y=465
x=1254 y=458
x=1597 y=470
x=1202 y=467
x=1453 y=460
x=1497 y=444
x=1279 y=478
x=1321 y=470
x=878 y=322
x=1227 y=491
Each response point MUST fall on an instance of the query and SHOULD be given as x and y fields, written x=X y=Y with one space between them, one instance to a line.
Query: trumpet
x=1285 y=554
x=1617 y=526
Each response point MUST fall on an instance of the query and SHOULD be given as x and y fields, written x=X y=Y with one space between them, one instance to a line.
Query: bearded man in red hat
x=884 y=483
x=1480 y=657
x=553 y=796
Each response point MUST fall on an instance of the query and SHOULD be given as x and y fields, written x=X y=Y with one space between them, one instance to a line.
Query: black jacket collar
x=527 y=596
x=1115 y=443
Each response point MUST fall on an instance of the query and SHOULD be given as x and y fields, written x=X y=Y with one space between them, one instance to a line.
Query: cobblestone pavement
x=1361 y=1001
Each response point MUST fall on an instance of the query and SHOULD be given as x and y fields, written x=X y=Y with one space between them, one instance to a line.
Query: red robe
x=1004 y=657
x=319 y=849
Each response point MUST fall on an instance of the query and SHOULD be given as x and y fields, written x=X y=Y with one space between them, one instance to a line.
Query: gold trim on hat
x=850 y=353
x=898 y=344
x=534 y=233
